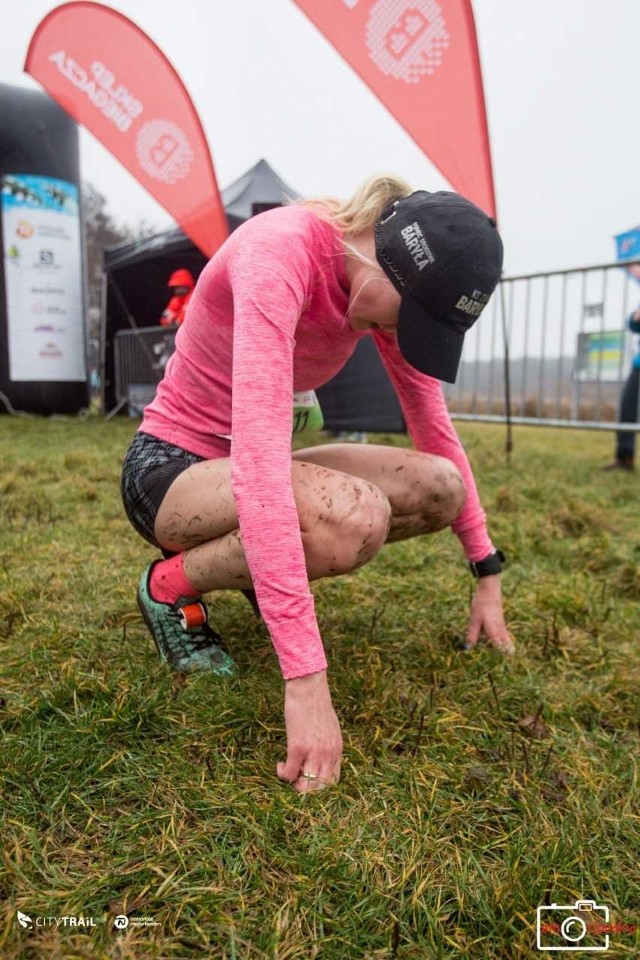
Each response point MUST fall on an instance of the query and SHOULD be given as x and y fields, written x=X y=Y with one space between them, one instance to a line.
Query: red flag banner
x=420 y=58
x=110 y=77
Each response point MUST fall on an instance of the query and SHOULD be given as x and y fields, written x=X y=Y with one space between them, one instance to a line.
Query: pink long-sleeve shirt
x=267 y=318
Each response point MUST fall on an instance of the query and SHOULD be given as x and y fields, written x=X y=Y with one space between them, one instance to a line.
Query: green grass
x=127 y=791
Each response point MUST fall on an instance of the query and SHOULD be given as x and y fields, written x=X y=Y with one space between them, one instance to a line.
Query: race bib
x=307 y=414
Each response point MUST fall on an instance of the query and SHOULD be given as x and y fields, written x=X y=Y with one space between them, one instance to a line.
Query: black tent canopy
x=360 y=397
x=259 y=187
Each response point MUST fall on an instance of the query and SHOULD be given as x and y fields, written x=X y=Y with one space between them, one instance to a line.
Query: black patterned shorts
x=149 y=468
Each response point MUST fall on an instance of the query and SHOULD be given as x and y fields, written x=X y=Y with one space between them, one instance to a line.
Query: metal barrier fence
x=569 y=352
x=140 y=356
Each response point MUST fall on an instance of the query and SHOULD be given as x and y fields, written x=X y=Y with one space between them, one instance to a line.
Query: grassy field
x=474 y=787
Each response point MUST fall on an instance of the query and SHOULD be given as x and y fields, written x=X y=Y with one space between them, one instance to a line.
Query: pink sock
x=169 y=581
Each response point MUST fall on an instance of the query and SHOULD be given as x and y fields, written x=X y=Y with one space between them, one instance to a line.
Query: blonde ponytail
x=358 y=214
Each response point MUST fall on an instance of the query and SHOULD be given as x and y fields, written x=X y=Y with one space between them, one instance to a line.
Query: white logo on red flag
x=100 y=87
x=401 y=47
x=108 y=75
x=163 y=150
x=407 y=38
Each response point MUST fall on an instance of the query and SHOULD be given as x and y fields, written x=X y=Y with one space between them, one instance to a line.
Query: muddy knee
x=432 y=500
x=446 y=495
x=349 y=535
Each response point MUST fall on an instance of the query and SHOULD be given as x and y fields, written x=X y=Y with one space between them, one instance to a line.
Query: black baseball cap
x=443 y=255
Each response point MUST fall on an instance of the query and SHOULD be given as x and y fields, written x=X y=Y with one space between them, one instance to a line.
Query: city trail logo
x=83 y=923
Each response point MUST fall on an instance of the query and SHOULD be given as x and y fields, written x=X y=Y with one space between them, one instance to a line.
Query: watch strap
x=488 y=566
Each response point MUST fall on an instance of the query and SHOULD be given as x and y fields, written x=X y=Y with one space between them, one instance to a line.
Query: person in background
x=629 y=408
x=181 y=284
x=210 y=478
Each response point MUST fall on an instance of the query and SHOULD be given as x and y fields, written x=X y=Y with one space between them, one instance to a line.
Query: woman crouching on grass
x=210 y=477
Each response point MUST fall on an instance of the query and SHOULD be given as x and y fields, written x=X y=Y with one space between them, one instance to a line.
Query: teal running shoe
x=184 y=639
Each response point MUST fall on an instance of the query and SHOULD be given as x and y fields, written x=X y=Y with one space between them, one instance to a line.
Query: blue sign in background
x=39 y=193
x=628 y=245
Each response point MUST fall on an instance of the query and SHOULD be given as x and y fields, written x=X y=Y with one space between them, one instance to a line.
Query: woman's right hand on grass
x=314 y=740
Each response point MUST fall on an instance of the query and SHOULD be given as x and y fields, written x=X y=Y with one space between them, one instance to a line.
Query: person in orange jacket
x=181 y=284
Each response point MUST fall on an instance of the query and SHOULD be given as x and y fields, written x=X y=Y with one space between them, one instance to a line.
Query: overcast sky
x=561 y=82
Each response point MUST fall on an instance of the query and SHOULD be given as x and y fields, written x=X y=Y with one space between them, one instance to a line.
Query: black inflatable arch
x=38 y=139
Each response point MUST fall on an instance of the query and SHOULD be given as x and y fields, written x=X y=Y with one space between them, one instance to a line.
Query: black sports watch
x=489 y=566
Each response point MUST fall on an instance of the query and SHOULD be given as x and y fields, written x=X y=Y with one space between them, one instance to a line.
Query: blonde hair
x=360 y=212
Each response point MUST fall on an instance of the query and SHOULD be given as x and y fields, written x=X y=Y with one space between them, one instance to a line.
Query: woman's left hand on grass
x=487 y=617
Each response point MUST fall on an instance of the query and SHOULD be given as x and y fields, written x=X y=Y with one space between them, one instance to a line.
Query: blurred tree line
x=101 y=231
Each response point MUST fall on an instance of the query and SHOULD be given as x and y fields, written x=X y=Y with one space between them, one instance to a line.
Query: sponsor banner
x=420 y=58
x=43 y=279
x=602 y=357
x=109 y=76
